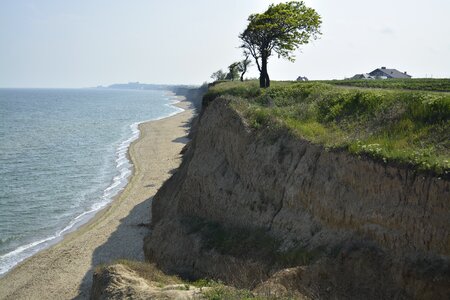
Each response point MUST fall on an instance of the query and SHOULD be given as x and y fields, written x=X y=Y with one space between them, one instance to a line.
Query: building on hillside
x=388 y=73
x=362 y=76
x=382 y=73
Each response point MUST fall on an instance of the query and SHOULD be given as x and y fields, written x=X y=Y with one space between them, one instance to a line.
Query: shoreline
x=110 y=193
x=162 y=140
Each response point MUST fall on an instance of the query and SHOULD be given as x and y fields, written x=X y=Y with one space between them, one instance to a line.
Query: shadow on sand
x=126 y=242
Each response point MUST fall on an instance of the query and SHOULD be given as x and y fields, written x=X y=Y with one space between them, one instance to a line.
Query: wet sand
x=64 y=271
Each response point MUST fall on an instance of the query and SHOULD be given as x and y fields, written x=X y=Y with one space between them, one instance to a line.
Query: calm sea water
x=62 y=158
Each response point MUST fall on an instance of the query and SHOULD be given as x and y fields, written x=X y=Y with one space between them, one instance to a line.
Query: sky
x=85 y=43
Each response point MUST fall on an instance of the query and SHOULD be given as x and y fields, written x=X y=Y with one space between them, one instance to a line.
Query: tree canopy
x=282 y=29
x=233 y=71
x=219 y=75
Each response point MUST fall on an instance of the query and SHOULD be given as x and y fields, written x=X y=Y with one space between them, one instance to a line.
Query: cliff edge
x=269 y=211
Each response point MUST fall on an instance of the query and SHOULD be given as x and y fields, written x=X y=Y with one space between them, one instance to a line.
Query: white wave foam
x=123 y=165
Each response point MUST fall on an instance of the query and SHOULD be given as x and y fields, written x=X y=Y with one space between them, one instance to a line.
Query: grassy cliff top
x=424 y=84
x=404 y=126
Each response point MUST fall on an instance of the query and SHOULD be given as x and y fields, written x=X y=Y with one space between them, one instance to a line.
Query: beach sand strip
x=64 y=271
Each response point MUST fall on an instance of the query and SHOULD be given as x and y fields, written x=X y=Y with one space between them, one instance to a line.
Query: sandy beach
x=64 y=271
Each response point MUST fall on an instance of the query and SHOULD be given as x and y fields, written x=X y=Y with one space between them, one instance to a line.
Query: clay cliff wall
x=365 y=227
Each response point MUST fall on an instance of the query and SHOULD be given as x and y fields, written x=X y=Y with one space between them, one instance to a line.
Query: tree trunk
x=264 y=80
x=242 y=75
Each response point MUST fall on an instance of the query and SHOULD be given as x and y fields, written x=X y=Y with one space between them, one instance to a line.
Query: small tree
x=233 y=71
x=244 y=64
x=219 y=75
x=282 y=28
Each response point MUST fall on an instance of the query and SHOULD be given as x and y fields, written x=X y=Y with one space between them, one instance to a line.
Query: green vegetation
x=149 y=272
x=282 y=29
x=219 y=75
x=249 y=243
x=233 y=71
x=218 y=291
x=244 y=64
x=210 y=289
x=400 y=126
x=429 y=84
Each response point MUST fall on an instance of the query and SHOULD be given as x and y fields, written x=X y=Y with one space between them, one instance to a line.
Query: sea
x=63 y=157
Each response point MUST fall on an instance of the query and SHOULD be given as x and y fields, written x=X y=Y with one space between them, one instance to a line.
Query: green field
x=424 y=84
x=403 y=126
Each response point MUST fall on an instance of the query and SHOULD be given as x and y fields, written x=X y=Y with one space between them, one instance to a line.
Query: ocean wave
x=124 y=168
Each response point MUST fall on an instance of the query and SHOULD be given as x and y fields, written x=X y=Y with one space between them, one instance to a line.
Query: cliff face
x=373 y=229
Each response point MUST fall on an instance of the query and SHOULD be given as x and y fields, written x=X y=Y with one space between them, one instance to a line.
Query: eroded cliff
x=246 y=204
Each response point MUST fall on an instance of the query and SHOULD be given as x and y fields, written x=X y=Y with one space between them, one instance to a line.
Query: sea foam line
x=123 y=164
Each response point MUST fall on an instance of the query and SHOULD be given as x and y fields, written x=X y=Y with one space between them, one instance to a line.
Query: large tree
x=282 y=28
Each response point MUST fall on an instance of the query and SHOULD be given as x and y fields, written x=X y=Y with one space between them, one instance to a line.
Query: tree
x=282 y=29
x=219 y=75
x=244 y=64
x=233 y=71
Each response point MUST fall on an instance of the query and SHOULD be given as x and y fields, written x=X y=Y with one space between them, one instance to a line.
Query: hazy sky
x=92 y=42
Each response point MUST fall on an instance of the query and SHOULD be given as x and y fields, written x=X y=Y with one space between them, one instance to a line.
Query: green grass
x=250 y=243
x=211 y=290
x=148 y=271
x=218 y=291
x=398 y=126
x=425 y=84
